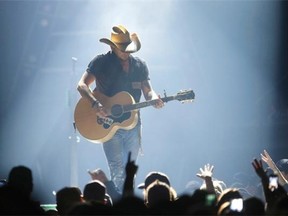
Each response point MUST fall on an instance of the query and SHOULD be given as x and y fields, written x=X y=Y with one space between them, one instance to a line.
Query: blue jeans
x=117 y=150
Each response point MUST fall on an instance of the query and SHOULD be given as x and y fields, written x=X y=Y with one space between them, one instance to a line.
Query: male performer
x=114 y=72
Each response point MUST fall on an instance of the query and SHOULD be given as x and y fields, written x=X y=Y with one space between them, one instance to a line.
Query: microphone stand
x=74 y=138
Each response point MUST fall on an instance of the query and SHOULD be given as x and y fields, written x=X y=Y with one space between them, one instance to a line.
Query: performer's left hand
x=159 y=103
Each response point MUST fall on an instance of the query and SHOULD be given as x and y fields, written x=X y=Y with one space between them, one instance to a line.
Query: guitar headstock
x=185 y=96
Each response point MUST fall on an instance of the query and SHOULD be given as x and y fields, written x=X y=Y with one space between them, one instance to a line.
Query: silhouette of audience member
x=95 y=191
x=280 y=207
x=254 y=206
x=202 y=202
x=151 y=178
x=130 y=169
x=67 y=198
x=159 y=198
x=95 y=201
x=272 y=193
x=15 y=195
x=112 y=191
x=158 y=192
x=130 y=205
x=20 y=178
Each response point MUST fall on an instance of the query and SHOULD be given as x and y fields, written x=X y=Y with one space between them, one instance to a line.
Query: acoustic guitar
x=122 y=110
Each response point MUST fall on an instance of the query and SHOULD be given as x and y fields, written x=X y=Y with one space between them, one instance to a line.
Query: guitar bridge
x=107 y=122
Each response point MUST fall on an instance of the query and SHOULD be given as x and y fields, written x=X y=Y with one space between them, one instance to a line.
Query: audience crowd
x=101 y=197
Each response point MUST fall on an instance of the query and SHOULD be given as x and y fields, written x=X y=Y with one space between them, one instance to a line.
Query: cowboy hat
x=121 y=39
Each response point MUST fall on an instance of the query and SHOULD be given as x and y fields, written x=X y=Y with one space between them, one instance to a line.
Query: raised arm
x=206 y=175
x=268 y=160
x=131 y=170
x=271 y=196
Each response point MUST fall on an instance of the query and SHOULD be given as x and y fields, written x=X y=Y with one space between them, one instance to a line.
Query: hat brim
x=141 y=186
x=132 y=47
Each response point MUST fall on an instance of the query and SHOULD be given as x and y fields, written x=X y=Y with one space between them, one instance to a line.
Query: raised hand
x=206 y=172
x=99 y=175
x=206 y=175
x=268 y=160
x=258 y=167
x=131 y=168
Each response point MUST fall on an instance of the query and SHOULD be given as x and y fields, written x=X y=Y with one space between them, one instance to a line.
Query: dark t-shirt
x=111 y=79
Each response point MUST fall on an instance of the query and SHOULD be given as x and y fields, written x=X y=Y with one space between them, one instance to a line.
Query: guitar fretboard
x=130 y=107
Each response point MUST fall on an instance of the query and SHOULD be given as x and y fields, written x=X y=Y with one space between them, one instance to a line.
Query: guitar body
x=123 y=114
x=97 y=129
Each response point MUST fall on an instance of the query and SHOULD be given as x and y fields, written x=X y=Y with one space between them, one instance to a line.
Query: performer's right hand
x=101 y=111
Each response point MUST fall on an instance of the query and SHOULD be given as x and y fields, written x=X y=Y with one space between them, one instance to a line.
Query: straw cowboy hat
x=121 y=39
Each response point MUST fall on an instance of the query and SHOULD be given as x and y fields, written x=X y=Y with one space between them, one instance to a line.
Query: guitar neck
x=130 y=107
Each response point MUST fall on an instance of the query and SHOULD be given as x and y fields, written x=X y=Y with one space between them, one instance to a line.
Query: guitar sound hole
x=117 y=110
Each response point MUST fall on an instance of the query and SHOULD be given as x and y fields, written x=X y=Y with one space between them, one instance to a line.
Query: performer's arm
x=150 y=94
x=83 y=87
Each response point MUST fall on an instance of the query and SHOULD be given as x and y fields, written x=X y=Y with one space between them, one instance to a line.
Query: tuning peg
x=165 y=95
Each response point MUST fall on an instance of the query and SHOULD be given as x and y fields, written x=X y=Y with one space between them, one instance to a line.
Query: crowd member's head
x=153 y=176
x=157 y=193
x=254 y=206
x=161 y=178
x=67 y=198
x=95 y=191
x=20 y=177
x=15 y=193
